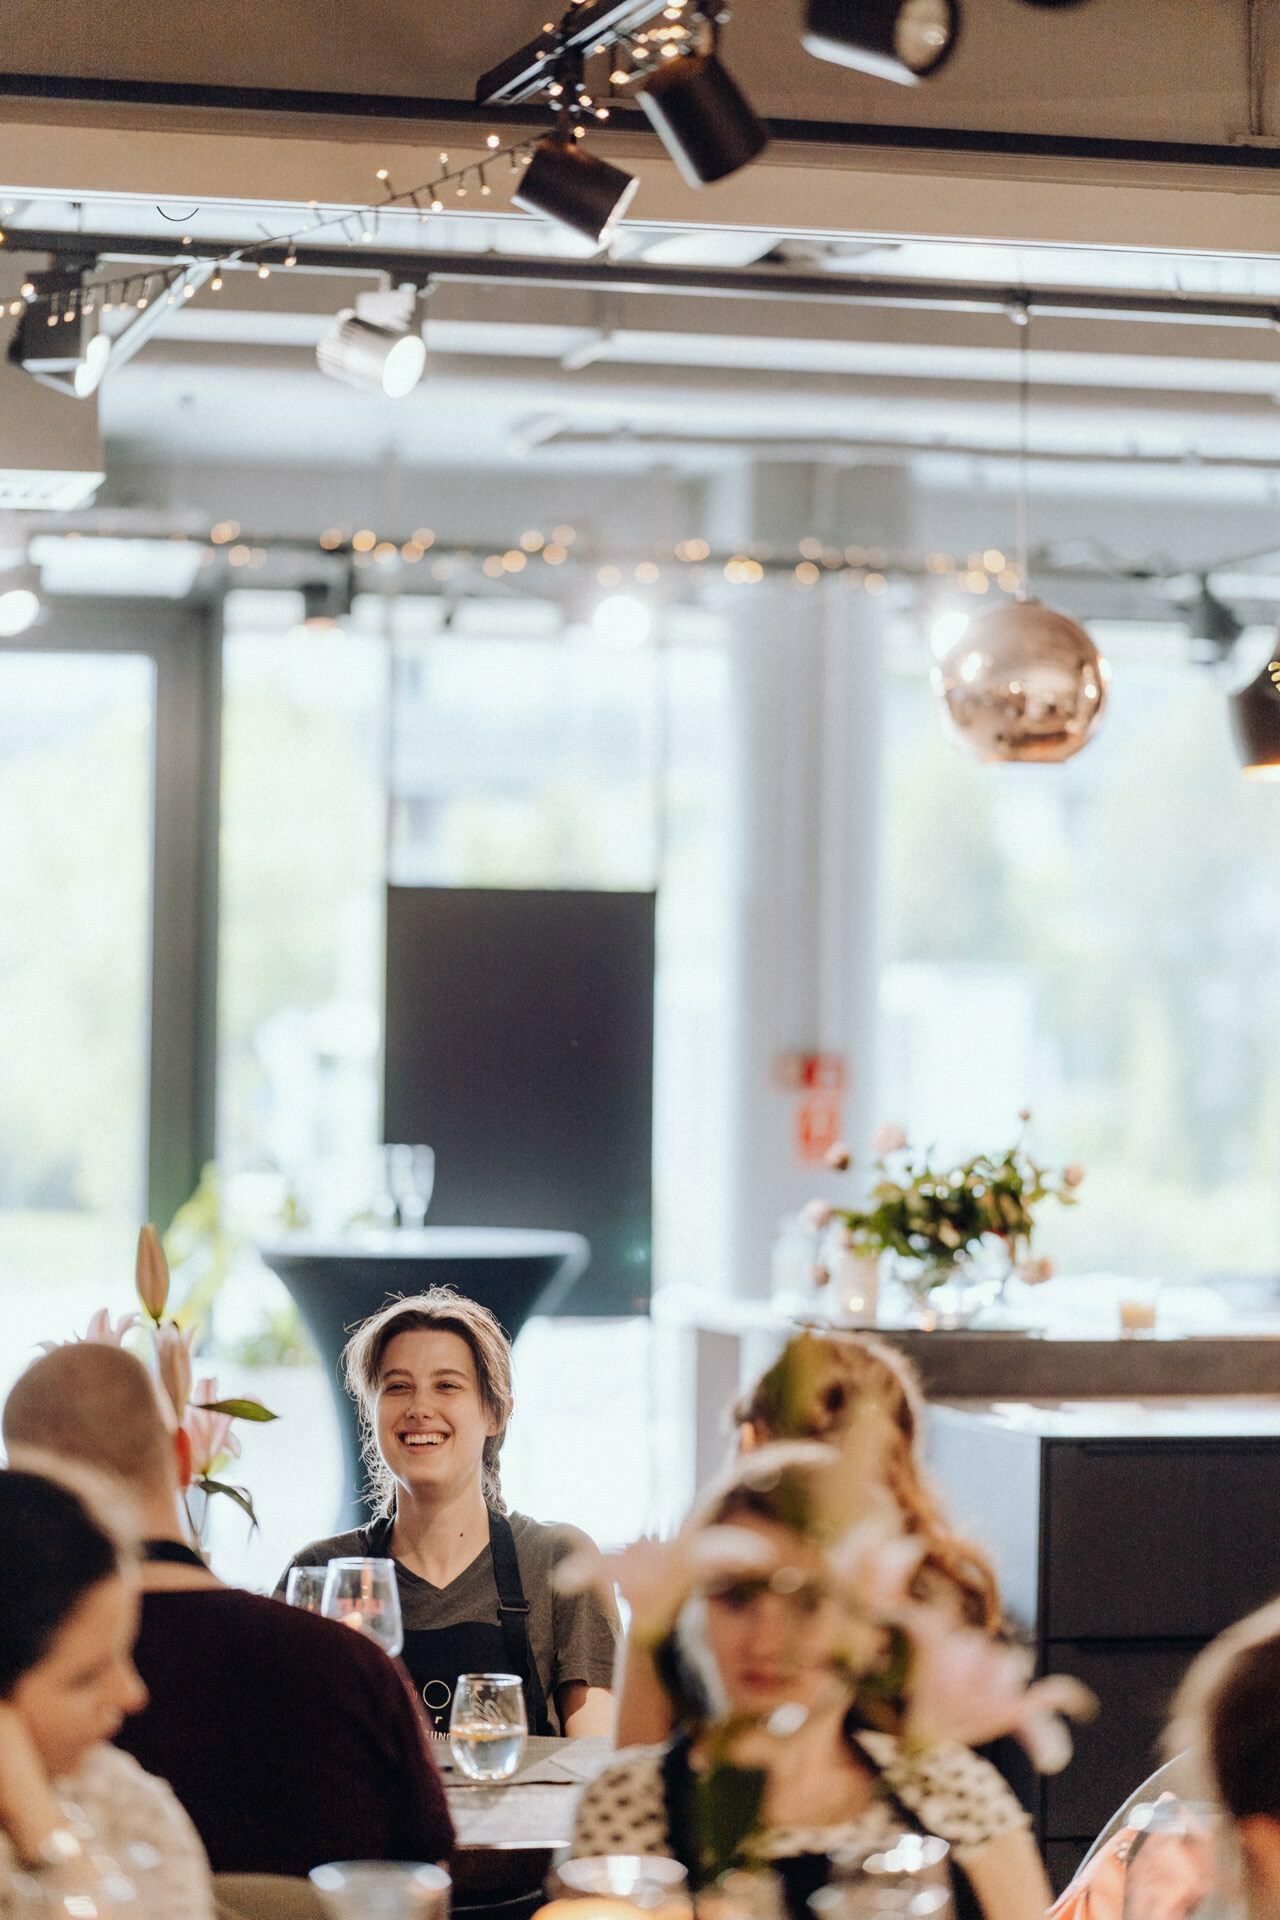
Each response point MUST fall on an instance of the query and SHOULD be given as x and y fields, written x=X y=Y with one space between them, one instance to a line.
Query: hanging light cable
x=1023 y=682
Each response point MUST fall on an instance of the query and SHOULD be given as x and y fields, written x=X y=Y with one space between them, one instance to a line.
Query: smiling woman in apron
x=431 y=1375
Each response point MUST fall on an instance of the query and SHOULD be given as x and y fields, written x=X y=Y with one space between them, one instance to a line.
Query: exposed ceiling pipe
x=640 y=276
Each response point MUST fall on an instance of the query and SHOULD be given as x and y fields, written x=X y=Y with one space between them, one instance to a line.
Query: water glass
x=305 y=1588
x=908 y=1879
x=383 y=1890
x=650 y=1881
x=487 y=1725
x=363 y=1594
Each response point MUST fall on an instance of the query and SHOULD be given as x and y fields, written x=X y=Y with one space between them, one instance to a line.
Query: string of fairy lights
x=142 y=287
x=690 y=561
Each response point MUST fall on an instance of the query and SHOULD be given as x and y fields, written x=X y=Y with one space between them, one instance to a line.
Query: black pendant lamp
x=1255 y=724
x=701 y=115
x=575 y=188
x=902 y=40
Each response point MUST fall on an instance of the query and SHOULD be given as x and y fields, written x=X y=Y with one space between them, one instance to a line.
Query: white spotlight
x=91 y=366
x=622 y=621
x=376 y=358
x=19 y=600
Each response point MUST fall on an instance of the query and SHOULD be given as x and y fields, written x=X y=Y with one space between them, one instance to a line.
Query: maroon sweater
x=289 y=1739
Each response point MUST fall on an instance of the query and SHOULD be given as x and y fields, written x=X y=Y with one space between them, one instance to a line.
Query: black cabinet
x=1125 y=1537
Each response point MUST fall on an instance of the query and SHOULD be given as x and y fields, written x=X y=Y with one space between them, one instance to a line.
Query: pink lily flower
x=100 y=1332
x=173 y=1363
x=212 y=1440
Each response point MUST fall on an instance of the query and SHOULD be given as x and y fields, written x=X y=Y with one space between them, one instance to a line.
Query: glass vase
x=950 y=1294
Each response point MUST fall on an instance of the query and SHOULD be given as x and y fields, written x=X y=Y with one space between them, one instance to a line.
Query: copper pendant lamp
x=1023 y=682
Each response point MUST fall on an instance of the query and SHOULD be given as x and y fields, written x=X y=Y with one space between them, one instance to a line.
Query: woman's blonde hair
x=438 y=1310
x=813 y=1391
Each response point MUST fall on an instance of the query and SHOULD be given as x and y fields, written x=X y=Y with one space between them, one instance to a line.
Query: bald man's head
x=97 y=1404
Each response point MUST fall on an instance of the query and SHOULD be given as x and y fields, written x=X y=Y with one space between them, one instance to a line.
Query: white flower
x=1072 y=1175
x=965 y=1686
x=816 y=1215
x=838 y=1157
x=887 y=1140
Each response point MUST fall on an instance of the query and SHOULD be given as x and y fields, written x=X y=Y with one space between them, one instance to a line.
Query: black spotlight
x=903 y=40
x=572 y=186
x=1255 y=724
x=1212 y=628
x=702 y=117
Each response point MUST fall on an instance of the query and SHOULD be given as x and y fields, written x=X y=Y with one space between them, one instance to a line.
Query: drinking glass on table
x=305 y=1587
x=487 y=1725
x=907 y=1879
x=383 y=1890
x=363 y=1594
x=652 y=1882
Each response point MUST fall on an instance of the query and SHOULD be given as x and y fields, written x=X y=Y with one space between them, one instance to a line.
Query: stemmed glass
x=411 y=1174
x=487 y=1725
x=908 y=1879
x=363 y=1594
x=305 y=1588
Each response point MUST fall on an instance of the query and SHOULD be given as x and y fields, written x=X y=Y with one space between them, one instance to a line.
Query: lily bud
x=152 y=1273
x=173 y=1364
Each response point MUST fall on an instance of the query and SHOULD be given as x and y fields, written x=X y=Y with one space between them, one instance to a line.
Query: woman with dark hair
x=431 y=1375
x=68 y=1620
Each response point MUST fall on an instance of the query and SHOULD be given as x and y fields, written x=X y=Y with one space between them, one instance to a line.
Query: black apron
x=435 y=1656
x=803 y=1873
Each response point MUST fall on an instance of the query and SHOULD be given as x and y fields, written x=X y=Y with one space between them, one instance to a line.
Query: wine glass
x=411 y=1174
x=487 y=1725
x=305 y=1588
x=363 y=1594
x=908 y=1879
x=383 y=1890
x=650 y=1881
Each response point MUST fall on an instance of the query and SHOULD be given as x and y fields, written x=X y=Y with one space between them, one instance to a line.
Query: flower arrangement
x=201 y=1415
x=938 y=1216
x=891 y=1648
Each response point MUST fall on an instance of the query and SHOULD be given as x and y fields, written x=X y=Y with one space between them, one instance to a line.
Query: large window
x=484 y=744
x=1099 y=942
x=75 y=944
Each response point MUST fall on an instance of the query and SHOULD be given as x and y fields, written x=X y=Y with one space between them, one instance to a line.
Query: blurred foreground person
x=75 y=1812
x=289 y=1740
x=819 y=1385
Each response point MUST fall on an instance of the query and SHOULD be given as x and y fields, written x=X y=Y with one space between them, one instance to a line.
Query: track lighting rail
x=583 y=29
x=639 y=276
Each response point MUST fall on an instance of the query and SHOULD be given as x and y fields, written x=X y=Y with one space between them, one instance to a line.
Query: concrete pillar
x=807 y=674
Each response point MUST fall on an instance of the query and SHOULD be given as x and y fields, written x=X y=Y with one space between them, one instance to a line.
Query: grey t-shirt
x=572 y=1636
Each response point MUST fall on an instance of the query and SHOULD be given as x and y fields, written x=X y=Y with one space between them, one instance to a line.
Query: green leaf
x=238 y=1409
x=729 y=1801
x=238 y=1494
